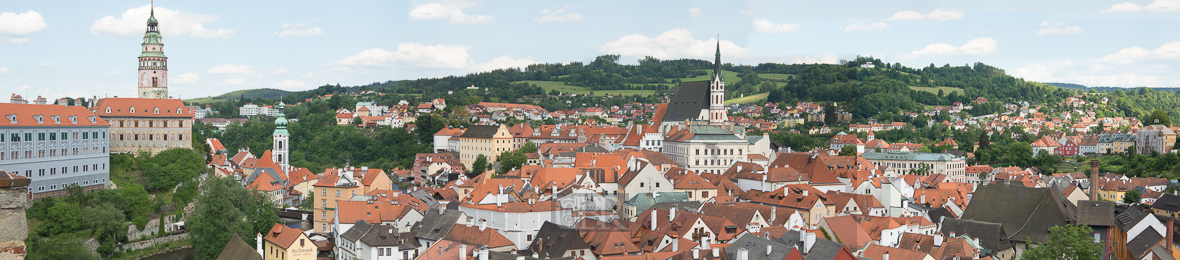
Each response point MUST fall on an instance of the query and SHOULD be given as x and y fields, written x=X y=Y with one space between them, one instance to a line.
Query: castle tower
x=153 y=65
x=717 y=113
x=281 y=142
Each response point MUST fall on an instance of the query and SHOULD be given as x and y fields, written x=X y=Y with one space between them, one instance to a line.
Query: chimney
x=63 y=102
x=78 y=102
x=769 y=249
x=937 y=240
x=462 y=252
x=885 y=256
x=40 y=100
x=1094 y=179
x=483 y=253
x=258 y=244
x=653 y=219
x=743 y=254
x=675 y=243
x=804 y=192
x=696 y=254
x=671 y=214
x=808 y=242
x=716 y=252
x=483 y=224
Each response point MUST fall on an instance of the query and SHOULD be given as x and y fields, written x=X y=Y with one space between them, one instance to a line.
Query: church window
x=155 y=82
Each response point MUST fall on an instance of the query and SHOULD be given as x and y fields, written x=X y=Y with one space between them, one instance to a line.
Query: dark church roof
x=688 y=101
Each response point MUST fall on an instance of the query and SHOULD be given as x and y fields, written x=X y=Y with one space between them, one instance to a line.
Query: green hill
x=247 y=93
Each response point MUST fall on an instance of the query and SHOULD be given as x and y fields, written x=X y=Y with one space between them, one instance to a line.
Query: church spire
x=717 y=63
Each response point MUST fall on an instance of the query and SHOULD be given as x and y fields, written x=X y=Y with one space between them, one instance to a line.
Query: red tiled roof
x=144 y=107
x=24 y=115
x=473 y=235
x=282 y=236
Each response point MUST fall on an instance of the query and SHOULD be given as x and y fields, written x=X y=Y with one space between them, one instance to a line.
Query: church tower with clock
x=153 y=65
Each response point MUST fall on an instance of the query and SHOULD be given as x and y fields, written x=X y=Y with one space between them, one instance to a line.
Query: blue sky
x=88 y=48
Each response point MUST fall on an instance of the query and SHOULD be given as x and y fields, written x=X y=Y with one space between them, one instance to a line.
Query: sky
x=89 y=48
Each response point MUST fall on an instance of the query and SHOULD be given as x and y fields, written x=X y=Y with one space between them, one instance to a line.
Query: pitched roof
x=238 y=249
x=991 y=235
x=144 y=107
x=847 y=230
x=1168 y=202
x=282 y=236
x=875 y=251
x=474 y=235
x=687 y=102
x=553 y=240
x=382 y=235
x=26 y=115
x=1096 y=213
x=435 y=226
x=1022 y=211
x=481 y=131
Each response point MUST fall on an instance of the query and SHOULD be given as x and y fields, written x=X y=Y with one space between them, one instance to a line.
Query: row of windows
x=715 y=162
x=66 y=170
x=719 y=152
x=16 y=155
x=152 y=137
x=63 y=186
x=18 y=137
x=151 y=123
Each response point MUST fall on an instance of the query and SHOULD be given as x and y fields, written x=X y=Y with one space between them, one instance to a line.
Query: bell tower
x=281 y=142
x=717 y=114
x=153 y=65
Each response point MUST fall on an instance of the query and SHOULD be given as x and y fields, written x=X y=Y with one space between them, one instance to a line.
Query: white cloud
x=1057 y=28
x=1157 y=5
x=410 y=54
x=132 y=24
x=240 y=82
x=4 y=70
x=25 y=87
x=232 y=70
x=282 y=71
x=1169 y=50
x=765 y=26
x=451 y=12
x=864 y=26
x=1094 y=77
x=14 y=25
x=290 y=84
x=299 y=30
x=187 y=78
x=307 y=75
x=978 y=46
x=558 y=16
x=502 y=62
x=46 y=64
x=695 y=12
x=937 y=14
x=675 y=43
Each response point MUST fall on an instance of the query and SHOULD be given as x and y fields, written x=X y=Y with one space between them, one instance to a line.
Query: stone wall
x=13 y=202
x=155 y=241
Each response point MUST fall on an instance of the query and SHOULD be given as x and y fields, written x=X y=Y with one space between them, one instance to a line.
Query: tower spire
x=717 y=63
x=153 y=7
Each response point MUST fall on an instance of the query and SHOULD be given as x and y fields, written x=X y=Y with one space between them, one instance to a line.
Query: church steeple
x=717 y=64
x=281 y=152
x=153 y=64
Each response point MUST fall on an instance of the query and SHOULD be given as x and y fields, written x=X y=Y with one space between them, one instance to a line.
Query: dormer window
x=156 y=110
x=108 y=110
x=56 y=119
x=73 y=119
x=178 y=111
x=93 y=119
x=11 y=118
x=133 y=110
x=40 y=119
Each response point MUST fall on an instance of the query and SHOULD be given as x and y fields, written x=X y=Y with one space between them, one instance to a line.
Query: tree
x=924 y=149
x=1131 y=197
x=984 y=143
x=479 y=166
x=1159 y=117
x=226 y=208
x=1074 y=242
x=1020 y=154
x=426 y=127
x=848 y=150
x=357 y=121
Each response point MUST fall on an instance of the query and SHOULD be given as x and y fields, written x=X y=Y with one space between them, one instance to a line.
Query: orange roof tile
x=144 y=107
x=24 y=115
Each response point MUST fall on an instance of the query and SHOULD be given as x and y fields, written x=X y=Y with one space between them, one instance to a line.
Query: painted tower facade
x=717 y=113
x=281 y=140
x=153 y=65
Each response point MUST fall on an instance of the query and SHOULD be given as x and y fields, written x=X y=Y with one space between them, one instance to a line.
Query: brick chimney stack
x=1094 y=180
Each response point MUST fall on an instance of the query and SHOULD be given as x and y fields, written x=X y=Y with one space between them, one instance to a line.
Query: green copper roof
x=153 y=55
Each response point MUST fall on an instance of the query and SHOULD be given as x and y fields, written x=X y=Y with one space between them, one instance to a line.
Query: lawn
x=775 y=76
x=730 y=76
x=756 y=98
x=945 y=90
x=562 y=87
